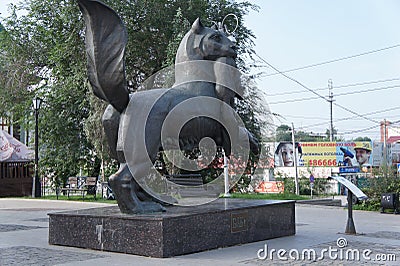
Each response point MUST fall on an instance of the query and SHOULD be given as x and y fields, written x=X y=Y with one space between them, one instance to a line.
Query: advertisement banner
x=323 y=154
x=13 y=150
x=270 y=187
x=6 y=149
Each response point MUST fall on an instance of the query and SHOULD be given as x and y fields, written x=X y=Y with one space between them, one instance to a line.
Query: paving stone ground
x=24 y=240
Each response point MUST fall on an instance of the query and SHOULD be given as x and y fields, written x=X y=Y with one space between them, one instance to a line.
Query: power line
x=366 y=83
x=306 y=117
x=295 y=100
x=355 y=113
x=352 y=117
x=292 y=79
x=372 y=113
x=336 y=87
x=336 y=95
x=340 y=119
x=319 y=95
x=359 y=130
x=367 y=90
x=328 y=62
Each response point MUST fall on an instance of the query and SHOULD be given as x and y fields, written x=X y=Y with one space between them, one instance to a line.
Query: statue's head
x=204 y=43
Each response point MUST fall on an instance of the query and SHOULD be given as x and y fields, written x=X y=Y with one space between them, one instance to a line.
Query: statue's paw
x=151 y=206
x=129 y=203
x=113 y=180
x=123 y=175
x=142 y=208
x=168 y=200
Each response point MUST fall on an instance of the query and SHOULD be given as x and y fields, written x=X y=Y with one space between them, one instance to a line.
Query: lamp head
x=36 y=103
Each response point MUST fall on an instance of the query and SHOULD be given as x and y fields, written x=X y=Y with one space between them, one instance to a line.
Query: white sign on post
x=353 y=188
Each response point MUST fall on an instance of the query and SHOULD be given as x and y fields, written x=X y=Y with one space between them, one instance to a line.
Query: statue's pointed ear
x=197 y=27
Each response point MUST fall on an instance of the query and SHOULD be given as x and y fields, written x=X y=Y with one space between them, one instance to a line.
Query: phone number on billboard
x=322 y=162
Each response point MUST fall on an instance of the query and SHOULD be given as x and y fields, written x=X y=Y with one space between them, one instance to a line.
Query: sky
x=4 y=6
x=297 y=33
x=360 y=36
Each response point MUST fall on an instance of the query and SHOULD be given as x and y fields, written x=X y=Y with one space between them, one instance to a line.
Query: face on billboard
x=362 y=156
x=284 y=154
x=287 y=154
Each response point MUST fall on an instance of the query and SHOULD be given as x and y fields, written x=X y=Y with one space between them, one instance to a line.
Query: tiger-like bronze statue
x=206 y=82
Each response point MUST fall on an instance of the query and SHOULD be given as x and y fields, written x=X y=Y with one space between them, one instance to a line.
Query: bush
x=378 y=186
x=304 y=185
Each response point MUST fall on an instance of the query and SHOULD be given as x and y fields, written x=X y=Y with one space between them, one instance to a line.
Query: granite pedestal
x=178 y=231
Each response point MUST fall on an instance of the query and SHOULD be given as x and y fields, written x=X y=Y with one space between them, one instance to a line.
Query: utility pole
x=296 y=178
x=330 y=87
x=385 y=147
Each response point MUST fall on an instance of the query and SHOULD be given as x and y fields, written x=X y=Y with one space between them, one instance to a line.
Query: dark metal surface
x=106 y=38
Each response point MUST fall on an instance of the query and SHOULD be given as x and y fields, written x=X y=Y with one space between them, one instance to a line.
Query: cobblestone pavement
x=23 y=255
x=24 y=240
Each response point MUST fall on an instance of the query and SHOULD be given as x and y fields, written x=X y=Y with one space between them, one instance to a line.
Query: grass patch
x=87 y=198
x=261 y=196
x=281 y=196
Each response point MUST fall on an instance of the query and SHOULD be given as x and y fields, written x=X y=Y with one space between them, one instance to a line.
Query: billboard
x=323 y=154
x=394 y=153
x=377 y=156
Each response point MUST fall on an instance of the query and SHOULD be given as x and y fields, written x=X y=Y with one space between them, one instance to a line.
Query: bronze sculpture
x=139 y=125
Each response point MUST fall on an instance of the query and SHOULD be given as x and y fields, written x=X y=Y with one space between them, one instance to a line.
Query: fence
x=16 y=178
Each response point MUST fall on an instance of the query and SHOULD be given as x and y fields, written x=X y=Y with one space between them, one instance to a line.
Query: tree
x=43 y=55
x=362 y=139
x=328 y=133
x=283 y=133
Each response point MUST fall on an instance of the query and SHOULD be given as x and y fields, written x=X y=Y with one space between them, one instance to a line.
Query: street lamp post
x=296 y=177
x=226 y=176
x=36 y=187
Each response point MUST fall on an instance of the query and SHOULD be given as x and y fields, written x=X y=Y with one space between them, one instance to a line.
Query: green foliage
x=154 y=27
x=95 y=132
x=378 y=186
x=368 y=205
x=43 y=54
x=283 y=133
x=386 y=180
x=281 y=196
x=251 y=109
x=88 y=198
x=304 y=185
x=362 y=139
x=180 y=26
x=319 y=188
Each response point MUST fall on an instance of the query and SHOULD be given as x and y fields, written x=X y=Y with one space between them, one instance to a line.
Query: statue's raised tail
x=106 y=38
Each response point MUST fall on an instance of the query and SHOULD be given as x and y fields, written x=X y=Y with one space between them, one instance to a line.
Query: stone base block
x=180 y=230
